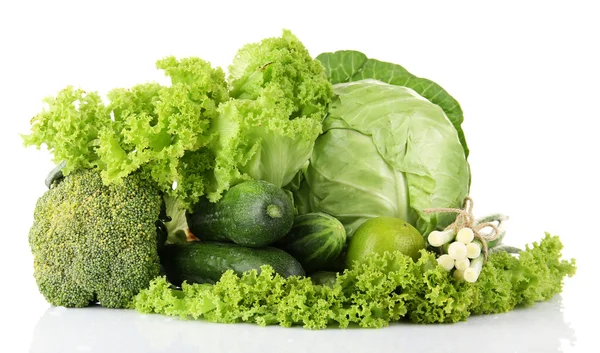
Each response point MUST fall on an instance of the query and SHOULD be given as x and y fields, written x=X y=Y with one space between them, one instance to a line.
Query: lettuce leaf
x=69 y=127
x=162 y=131
x=383 y=289
x=199 y=135
x=268 y=130
x=165 y=131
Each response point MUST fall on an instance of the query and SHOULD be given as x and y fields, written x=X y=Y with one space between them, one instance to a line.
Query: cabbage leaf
x=350 y=65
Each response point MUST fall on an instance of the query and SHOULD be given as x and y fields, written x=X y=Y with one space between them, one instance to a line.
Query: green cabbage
x=385 y=151
x=350 y=65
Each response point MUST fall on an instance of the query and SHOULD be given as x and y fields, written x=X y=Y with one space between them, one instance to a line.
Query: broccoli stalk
x=175 y=223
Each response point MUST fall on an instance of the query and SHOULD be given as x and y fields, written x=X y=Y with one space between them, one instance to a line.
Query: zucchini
x=254 y=213
x=316 y=240
x=205 y=262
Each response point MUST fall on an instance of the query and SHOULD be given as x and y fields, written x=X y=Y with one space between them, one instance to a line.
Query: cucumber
x=316 y=240
x=254 y=213
x=205 y=262
x=324 y=278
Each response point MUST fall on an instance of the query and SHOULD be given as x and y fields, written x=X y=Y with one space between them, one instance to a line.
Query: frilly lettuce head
x=165 y=131
x=161 y=131
x=199 y=135
x=385 y=149
x=268 y=130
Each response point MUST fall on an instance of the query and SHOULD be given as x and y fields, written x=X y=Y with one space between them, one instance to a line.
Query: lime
x=381 y=234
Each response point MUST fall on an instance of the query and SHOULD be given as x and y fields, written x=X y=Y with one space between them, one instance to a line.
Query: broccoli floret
x=93 y=242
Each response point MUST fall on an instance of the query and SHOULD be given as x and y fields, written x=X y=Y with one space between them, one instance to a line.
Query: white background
x=526 y=74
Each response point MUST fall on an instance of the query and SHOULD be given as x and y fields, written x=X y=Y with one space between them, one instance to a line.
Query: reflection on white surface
x=538 y=329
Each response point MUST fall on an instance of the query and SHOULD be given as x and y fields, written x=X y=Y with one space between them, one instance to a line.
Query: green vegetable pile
x=327 y=191
x=383 y=289
x=191 y=132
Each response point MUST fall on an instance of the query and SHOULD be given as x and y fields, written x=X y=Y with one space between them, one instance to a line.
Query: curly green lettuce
x=381 y=290
x=165 y=131
x=161 y=131
x=69 y=127
x=268 y=130
x=200 y=135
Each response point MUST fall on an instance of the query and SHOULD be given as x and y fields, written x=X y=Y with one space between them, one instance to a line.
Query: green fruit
x=381 y=234
x=316 y=240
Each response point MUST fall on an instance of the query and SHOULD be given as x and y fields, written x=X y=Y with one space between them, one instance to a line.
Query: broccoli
x=93 y=242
